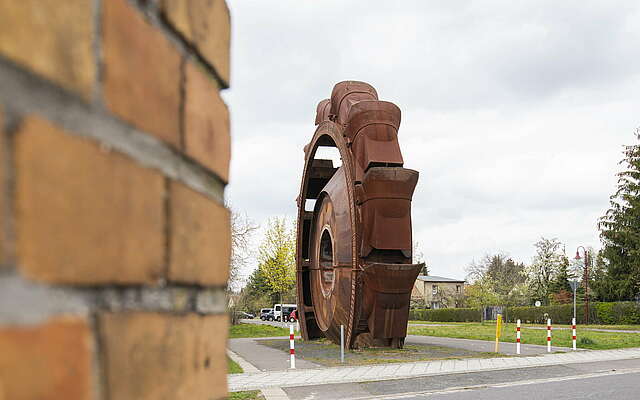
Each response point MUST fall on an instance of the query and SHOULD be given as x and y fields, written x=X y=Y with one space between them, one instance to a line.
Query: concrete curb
x=321 y=376
x=244 y=364
x=271 y=393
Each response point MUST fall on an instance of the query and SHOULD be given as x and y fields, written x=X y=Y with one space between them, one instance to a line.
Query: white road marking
x=599 y=374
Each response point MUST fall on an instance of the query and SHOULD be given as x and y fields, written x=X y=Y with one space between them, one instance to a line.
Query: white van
x=278 y=308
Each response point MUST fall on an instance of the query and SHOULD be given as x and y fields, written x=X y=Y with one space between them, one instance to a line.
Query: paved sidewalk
x=271 y=393
x=263 y=357
x=316 y=376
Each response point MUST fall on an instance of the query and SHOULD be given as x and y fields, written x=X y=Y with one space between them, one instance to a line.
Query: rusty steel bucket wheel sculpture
x=354 y=249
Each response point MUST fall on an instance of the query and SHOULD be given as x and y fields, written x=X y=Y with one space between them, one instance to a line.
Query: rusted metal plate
x=354 y=250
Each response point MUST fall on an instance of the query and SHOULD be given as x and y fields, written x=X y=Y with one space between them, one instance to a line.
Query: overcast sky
x=514 y=113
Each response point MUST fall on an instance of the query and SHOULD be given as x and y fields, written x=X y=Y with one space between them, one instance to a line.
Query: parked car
x=286 y=313
x=279 y=309
x=264 y=312
x=270 y=316
x=244 y=315
x=293 y=317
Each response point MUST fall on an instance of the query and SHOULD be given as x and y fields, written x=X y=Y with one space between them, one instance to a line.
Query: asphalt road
x=619 y=386
x=600 y=380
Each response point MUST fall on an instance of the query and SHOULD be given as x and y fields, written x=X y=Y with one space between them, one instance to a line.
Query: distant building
x=437 y=292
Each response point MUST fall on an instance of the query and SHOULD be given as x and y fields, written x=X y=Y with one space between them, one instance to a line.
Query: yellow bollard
x=498 y=330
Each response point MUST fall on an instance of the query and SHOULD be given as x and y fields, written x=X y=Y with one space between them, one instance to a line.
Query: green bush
x=559 y=314
x=599 y=313
x=605 y=313
x=620 y=313
x=447 y=315
x=585 y=340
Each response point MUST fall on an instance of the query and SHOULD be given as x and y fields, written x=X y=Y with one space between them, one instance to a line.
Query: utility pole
x=586 y=281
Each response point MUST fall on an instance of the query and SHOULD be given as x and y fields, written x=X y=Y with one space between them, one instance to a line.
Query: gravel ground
x=326 y=353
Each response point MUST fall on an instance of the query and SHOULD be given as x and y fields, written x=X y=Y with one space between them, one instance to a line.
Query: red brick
x=51 y=360
x=85 y=215
x=151 y=356
x=206 y=25
x=206 y=123
x=200 y=238
x=51 y=38
x=141 y=72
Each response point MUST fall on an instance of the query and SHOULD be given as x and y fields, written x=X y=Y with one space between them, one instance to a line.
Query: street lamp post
x=574 y=286
x=586 y=281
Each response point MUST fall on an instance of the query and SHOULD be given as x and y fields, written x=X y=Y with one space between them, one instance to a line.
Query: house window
x=457 y=288
x=434 y=289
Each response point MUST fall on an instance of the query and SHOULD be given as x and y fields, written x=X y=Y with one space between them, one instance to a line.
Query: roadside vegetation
x=560 y=338
x=233 y=367
x=248 y=395
x=254 y=330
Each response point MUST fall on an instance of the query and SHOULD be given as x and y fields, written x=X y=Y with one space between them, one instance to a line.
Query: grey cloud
x=514 y=113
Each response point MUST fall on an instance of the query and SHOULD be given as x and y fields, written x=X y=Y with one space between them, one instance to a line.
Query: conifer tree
x=620 y=231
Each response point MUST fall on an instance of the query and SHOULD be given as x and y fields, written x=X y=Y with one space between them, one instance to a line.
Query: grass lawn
x=252 y=330
x=233 y=367
x=614 y=327
x=250 y=395
x=486 y=331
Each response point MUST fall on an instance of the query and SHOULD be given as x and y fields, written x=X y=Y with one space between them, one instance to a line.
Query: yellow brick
x=51 y=360
x=51 y=38
x=206 y=24
x=3 y=193
x=200 y=238
x=152 y=356
x=141 y=72
x=206 y=123
x=85 y=215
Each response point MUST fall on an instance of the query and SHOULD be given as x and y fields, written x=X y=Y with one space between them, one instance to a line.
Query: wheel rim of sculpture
x=350 y=270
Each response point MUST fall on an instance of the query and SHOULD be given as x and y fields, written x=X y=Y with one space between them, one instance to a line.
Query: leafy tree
x=497 y=280
x=560 y=282
x=601 y=286
x=620 y=231
x=480 y=294
x=276 y=257
x=257 y=294
x=562 y=297
x=545 y=268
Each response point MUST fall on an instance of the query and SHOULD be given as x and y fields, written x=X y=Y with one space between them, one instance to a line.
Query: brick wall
x=114 y=238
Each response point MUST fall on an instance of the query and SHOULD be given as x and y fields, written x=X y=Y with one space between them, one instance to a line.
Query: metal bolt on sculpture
x=354 y=248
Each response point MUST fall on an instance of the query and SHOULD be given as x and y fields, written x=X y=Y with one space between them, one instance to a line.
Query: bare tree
x=242 y=229
x=418 y=257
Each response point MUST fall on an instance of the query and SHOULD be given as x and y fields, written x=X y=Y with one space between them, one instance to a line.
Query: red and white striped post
x=518 y=337
x=549 y=335
x=573 y=329
x=292 y=351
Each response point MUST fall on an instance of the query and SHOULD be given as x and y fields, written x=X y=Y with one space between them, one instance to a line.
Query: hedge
x=447 y=315
x=620 y=313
